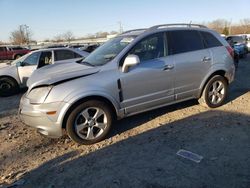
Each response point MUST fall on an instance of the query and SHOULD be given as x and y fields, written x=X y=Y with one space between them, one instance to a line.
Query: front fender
x=73 y=98
x=10 y=71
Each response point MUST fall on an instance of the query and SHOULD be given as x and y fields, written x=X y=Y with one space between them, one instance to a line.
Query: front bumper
x=35 y=115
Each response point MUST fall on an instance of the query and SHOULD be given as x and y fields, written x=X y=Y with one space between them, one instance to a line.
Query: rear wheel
x=17 y=56
x=89 y=122
x=215 y=92
x=8 y=87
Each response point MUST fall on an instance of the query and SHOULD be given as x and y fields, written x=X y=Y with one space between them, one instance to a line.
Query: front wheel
x=215 y=92
x=89 y=122
x=8 y=87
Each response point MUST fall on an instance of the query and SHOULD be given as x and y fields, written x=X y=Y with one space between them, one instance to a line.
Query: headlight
x=39 y=94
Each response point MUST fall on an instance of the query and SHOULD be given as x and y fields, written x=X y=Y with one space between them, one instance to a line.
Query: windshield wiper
x=87 y=63
x=80 y=61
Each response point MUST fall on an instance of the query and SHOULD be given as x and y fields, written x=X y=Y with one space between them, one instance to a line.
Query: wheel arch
x=218 y=72
x=10 y=77
x=104 y=99
x=15 y=55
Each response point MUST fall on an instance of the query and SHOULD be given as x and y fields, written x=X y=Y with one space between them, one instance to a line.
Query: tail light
x=230 y=51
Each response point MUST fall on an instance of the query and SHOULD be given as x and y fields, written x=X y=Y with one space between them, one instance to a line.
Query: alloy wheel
x=90 y=123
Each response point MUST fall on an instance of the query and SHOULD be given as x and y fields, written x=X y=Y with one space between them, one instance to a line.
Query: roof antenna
x=190 y=23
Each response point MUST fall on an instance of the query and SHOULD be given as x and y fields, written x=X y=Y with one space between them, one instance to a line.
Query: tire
x=215 y=92
x=17 y=56
x=84 y=115
x=8 y=87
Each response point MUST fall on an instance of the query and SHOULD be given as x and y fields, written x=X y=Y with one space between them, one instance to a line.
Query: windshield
x=108 y=51
x=21 y=59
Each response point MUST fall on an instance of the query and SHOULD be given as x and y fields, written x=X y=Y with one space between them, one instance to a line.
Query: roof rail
x=176 y=25
x=129 y=31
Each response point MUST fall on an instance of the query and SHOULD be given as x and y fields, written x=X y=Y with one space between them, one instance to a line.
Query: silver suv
x=137 y=71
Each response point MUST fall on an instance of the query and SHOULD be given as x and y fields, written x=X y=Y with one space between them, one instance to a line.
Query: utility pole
x=120 y=27
x=230 y=27
x=25 y=27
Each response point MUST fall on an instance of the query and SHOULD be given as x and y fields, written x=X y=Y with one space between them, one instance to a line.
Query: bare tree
x=220 y=25
x=245 y=24
x=22 y=35
x=68 y=36
x=58 y=38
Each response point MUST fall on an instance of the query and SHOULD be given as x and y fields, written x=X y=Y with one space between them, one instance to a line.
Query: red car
x=12 y=52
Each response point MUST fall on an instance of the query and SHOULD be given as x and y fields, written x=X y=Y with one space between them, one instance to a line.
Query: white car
x=15 y=75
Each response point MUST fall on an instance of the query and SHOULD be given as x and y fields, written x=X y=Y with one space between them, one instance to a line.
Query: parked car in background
x=12 y=52
x=137 y=71
x=14 y=75
x=248 y=43
x=77 y=46
x=238 y=43
x=90 y=48
x=56 y=46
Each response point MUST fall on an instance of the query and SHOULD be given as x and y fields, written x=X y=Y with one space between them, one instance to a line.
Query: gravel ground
x=140 y=150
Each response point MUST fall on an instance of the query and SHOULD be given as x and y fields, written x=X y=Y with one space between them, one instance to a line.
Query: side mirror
x=22 y=64
x=130 y=61
x=19 y=64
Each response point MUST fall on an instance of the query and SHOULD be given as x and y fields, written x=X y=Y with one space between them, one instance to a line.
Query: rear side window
x=182 y=41
x=17 y=48
x=65 y=54
x=210 y=40
x=2 y=49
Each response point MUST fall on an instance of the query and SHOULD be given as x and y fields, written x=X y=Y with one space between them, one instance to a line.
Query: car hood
x=3 y=65
x=57 y=73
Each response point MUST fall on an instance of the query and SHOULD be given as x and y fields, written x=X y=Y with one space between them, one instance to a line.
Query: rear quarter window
x=210 y=40
x=182 y=41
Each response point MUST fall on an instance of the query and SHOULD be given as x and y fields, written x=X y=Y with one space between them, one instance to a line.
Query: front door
x=150 y=83
x=3 y=54
x=27 y=67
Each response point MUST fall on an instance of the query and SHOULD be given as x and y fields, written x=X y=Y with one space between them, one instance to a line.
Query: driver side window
x=32 y=59
x=149 y=48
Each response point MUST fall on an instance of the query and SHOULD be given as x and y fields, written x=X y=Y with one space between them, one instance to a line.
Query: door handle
x=168 y=67
x=206 y=59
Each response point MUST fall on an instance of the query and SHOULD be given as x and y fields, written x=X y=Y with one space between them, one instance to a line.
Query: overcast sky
x=47 y=18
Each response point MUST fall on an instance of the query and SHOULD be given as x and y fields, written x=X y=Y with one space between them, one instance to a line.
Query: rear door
x=150 y=83
x=192 y=61
x=45 y=59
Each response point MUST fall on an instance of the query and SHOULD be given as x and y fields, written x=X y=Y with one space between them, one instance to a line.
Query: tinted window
x=45 y=59
x=32 y=59
x=65 y=54
x=184 y=41
x=77 y=55
x=17 y=48
x=2 y=49
x=149 y=48
x=210 y=40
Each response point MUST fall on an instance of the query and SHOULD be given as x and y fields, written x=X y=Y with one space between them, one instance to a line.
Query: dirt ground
x=140 y=150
